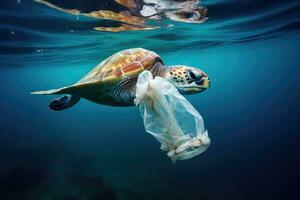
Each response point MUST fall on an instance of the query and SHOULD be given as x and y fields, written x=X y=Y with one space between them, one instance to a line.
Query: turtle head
x=197 y=15
x=188 y=80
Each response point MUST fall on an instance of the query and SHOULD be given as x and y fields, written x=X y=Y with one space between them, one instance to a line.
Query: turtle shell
x=130 y=63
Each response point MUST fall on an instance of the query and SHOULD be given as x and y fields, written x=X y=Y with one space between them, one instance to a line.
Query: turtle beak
x=204 y=83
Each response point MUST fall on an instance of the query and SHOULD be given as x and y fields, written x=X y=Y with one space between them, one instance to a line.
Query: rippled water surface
x=250 y=50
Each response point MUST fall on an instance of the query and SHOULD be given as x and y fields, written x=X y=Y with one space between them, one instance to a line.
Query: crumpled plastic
x=170 y=118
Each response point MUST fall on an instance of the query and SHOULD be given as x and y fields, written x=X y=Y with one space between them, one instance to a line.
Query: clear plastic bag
x=170 y=118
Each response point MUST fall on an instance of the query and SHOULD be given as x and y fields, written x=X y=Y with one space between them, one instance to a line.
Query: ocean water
x=250 y=50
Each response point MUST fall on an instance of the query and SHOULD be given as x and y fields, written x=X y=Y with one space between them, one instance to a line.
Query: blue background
x=250 y=50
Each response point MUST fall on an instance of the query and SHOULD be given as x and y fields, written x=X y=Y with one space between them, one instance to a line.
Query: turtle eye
x=195 y=75
x=192 y=75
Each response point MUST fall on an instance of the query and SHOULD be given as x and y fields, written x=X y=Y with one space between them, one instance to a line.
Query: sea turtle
x=132 y=14
x=113 y=81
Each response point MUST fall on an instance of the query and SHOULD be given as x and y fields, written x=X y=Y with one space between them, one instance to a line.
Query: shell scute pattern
x=125 y=63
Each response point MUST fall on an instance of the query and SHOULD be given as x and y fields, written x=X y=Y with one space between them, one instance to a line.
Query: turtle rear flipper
x=64 y=102
x=61 y=103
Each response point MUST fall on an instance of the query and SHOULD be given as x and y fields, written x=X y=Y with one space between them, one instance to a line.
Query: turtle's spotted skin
x=180 y=75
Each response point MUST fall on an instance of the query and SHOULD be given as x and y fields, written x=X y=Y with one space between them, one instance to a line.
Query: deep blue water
x=250 y=50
